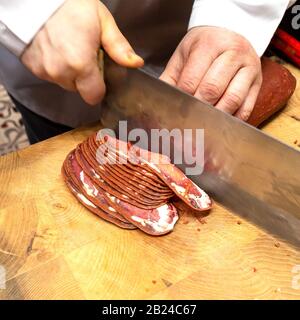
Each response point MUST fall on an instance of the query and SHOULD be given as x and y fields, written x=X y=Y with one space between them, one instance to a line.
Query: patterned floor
x=12 y=132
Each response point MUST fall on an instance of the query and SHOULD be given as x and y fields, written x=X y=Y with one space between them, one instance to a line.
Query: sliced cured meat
x=135 y=192
x=134 y=175
x=132 y=169
x=130 y=189
x=113 y=188
x=138 y=185
x=182 y=186
x=156 y=222
x=88 y=187
x=91 y=206
x=138 y=188
x=131 y=193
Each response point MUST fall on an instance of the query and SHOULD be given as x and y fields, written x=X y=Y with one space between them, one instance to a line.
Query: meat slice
x=109 y=214
x=138 y=171
x=176 y=180
x=155 y=222
x=140 y=186
x=112 y=188
x=141 y=199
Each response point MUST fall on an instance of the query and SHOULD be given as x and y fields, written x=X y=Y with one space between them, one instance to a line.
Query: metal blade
x=246 y=170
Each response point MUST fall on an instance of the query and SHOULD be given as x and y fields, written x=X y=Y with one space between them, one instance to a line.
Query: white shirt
x=256 y=20
x=20 y=20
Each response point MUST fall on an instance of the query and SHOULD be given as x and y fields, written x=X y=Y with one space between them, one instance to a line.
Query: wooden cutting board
x=53 y=248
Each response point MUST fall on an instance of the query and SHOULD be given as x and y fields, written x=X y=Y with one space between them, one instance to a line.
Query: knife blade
x=246 y=170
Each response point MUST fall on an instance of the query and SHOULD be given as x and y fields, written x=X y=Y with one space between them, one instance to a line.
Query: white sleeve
x=256 y=20
x=20 y=20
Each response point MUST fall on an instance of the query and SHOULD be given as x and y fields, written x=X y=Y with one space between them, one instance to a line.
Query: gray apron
x=153 y=27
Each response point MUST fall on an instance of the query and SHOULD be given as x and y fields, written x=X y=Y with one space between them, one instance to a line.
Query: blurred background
x=12 y=131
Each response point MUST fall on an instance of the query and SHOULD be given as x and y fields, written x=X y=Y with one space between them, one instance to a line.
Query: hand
x=65 y=50
x=219 y=67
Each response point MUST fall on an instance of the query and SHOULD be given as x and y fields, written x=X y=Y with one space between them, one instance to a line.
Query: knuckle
x=254 y=64
x=38 y=71
x=78 y=64
x=35 y=68
x=210 y=91
x=254 y=68
x=232 y=56
x=188 y=85
x=241 y=45
x=245 y=114
x=233 y=100
x=53 y=72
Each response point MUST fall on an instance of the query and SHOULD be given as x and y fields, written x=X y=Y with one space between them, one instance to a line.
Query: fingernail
x=132 y=56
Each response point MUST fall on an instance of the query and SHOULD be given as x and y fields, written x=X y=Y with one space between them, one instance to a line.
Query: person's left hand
x=219 y=67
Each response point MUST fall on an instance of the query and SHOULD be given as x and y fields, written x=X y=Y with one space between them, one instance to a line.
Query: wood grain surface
x=51 y=247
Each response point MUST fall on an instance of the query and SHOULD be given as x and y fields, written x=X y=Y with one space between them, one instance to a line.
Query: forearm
x=256 y=20
x=20 y=20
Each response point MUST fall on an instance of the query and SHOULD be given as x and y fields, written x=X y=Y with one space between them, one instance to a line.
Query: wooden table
x=53 y=248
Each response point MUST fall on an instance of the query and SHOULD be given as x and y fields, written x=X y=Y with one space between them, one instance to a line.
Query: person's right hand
x=65 y=50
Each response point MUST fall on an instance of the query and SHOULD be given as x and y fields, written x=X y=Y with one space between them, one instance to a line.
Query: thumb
x=114 y=43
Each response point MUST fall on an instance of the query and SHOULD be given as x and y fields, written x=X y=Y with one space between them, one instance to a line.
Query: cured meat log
x=128 y=186
x=277 y=88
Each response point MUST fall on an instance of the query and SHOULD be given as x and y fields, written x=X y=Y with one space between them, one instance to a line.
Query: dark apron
x=153 y=27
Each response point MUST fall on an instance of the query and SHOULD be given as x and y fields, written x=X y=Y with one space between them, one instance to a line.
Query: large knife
x=246 y=170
